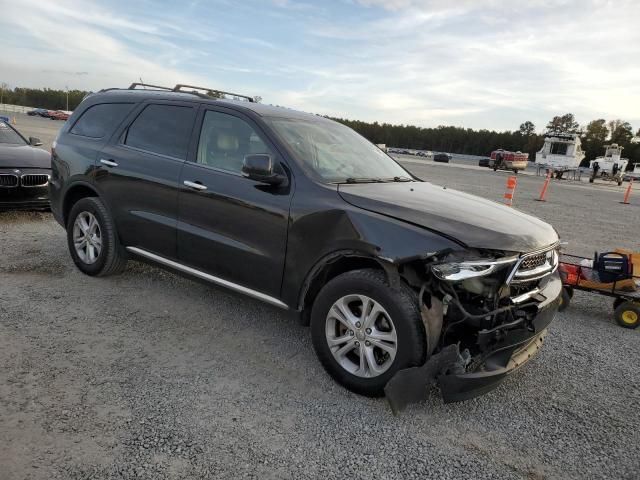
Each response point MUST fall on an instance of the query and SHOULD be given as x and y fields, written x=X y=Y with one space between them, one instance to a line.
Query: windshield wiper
x=402 y=179
x=362 y=180
x=376 y=180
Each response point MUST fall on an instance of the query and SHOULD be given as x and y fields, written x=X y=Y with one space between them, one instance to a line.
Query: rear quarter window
x=100 y=120
x=163 y=129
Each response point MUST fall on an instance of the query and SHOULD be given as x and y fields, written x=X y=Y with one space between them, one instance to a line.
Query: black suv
x=301 y=212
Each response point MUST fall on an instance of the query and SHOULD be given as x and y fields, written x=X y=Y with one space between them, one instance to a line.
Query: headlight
x=460 y=271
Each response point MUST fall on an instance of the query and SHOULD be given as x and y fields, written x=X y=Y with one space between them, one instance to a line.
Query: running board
x=210 y=278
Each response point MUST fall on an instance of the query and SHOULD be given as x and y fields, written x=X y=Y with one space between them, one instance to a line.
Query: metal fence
x=8 y=108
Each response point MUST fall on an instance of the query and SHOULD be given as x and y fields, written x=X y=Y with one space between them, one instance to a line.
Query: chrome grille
x=533 y=261
x=34 y=180
x=8 y=180
x=534 y=266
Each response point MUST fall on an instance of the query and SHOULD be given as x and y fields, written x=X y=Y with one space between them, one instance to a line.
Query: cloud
x=493 y=63
x=473 y=63
x=87 y=37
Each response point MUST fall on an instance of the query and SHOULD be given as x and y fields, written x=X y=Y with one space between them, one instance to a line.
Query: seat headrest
x=227 y=143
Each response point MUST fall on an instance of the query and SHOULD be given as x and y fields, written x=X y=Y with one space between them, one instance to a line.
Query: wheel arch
x=75 y=193
x=329 y=267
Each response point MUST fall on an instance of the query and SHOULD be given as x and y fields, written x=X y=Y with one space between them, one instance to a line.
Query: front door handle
x=108 y=163
x=195 y=185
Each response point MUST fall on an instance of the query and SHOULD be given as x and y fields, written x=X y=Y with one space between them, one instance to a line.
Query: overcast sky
x=472 y=63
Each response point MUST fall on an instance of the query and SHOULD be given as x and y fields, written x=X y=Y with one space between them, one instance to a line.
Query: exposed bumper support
x=516 y=346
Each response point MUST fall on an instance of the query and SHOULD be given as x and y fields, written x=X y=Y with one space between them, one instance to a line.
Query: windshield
x=337 y=153
x=8 y=135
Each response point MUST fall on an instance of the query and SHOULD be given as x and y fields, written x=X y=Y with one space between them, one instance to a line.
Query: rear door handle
x=195 y=185
x=108 y=163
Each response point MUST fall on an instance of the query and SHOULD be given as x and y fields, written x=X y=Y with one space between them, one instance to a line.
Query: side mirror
x=34 y=141
x=259 y=167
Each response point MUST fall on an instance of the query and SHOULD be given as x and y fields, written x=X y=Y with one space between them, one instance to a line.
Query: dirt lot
x=149 y=375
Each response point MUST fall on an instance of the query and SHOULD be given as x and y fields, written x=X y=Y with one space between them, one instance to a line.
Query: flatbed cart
x=581 y=273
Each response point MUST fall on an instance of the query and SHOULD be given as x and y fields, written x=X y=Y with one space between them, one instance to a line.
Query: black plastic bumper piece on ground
x=411 y=385
x=459 y=387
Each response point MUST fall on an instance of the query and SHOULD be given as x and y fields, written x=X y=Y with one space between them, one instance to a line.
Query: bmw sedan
x=24 y=171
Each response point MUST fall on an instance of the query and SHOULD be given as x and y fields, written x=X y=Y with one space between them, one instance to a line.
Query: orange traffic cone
x=627 y=194
x=543 y=192
x=512 y=182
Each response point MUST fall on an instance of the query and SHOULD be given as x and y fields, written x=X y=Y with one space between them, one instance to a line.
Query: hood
x=23 y=156
x=471 y=220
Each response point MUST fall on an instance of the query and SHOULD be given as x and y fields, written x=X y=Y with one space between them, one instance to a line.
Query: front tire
x=92 y=239
x=364 y=331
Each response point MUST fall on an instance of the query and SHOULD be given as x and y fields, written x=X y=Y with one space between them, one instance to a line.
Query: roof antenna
x=142 y=83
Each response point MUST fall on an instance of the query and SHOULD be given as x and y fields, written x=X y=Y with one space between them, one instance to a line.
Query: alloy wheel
x=361 y=336
x=87 y=237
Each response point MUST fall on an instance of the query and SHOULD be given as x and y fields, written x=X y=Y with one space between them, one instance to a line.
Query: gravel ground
x=150 y=375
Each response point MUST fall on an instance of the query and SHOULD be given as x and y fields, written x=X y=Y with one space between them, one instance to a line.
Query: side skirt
x=209 y=278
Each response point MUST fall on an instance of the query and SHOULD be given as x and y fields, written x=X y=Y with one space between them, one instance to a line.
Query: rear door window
x=101 y=120
x=162 y=129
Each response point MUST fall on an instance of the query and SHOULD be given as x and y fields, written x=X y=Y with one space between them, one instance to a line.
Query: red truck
x=505 y=160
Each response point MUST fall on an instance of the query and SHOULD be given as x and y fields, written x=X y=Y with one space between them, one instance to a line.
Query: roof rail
x=210 y=91
x=134 y=85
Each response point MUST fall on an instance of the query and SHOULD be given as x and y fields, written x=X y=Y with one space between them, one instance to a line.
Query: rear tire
x=92 y=239
x=397 y=316
x=627 y=315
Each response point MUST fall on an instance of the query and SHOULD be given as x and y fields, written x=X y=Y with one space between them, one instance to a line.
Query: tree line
x=594 y=135
x=48 y=98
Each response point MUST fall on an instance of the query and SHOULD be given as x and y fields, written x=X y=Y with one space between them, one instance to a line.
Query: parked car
x=441 y=157
x=302 y=213
x=484 y=162
x=24 y=171
x=59 y=115
x=38 y=112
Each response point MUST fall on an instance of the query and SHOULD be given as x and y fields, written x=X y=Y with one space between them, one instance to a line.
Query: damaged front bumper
x=456 y=381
